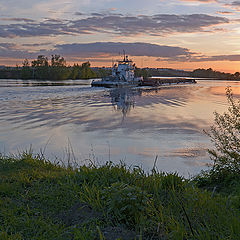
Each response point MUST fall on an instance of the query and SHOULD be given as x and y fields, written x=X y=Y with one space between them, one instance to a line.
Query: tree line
x=197 y=73
x=54 y=69
x=210 y=73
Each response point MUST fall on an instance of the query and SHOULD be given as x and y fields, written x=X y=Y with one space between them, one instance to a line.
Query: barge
x=154 y=81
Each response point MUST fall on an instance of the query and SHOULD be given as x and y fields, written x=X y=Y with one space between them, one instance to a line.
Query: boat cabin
x=124 y=70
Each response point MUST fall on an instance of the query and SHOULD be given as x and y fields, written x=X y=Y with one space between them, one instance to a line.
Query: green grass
x=41 y=200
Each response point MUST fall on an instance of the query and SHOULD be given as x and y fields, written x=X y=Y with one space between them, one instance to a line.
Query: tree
x=40 y=67
x=26 y=63
x=75 y=74
x=26 y=72
x=41 y=61
x=103 y=72
x=225 y=135
x=142 y=73
x=87 y=72
x=209 y=73
x=237 y=75
x=58 y=61
x=58 y=69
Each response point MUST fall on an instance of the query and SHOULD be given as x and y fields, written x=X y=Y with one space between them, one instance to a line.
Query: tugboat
x=122 y=76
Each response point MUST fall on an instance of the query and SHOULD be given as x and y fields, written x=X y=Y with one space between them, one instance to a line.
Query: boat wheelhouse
x=122 y=75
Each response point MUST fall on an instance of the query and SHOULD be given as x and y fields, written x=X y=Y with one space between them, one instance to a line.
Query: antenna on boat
x=124 y=55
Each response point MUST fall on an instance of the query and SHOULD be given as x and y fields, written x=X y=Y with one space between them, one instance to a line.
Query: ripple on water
x=137 y=124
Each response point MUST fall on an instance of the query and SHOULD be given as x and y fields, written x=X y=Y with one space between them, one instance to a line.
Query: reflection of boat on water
x=122 y=76
x=123 y=99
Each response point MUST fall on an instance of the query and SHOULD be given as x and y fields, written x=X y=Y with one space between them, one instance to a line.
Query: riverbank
x=41 y=200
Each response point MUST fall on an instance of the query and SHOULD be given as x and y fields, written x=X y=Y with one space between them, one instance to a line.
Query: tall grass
x=41 y=200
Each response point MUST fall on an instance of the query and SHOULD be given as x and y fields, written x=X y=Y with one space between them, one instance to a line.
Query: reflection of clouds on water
x=195 y=156
x=37 y=83
x=92 y=110
x=136 y=124
x=188 y=152
x=219 y=89
x=145 y=151
x=170 y=96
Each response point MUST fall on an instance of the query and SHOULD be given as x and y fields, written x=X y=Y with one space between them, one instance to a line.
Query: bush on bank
x=225 y=134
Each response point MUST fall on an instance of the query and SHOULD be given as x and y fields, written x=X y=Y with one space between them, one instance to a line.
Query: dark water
x=130 y=125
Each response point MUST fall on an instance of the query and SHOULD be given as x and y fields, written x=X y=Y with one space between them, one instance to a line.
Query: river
x=70 y=120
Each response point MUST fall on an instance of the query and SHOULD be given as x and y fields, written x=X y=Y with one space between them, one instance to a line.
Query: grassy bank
x=40 y=200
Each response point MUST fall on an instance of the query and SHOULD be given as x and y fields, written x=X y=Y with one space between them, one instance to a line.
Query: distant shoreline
x=50 y=73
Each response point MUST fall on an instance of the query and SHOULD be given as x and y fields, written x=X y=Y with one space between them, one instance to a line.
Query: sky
x=181 y=34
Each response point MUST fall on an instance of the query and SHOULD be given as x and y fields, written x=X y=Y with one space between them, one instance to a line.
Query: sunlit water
x=129 y=125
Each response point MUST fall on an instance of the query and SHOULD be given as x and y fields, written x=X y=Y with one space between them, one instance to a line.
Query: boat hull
x=151 y=82
x=112 y=84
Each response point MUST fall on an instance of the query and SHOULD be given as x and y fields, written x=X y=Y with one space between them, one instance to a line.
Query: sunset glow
x=181 y=34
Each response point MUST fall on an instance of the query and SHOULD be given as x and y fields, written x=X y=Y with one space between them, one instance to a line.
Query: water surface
x=130 y=125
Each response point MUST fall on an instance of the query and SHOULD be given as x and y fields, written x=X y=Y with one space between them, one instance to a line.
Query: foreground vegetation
x=41 y=200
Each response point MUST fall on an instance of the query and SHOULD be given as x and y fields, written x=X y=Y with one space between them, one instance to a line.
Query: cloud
x=203 y=1
x=8 y=46
x=201 y=58
x=98 y=51
x=104 y=51
x=114 y=48
x=36 y=44
x=79 y=14
x=16 y=54
x=12 y=50
x=157 y=25
x=17 y=20
x=234 y=5
x=231 y=58
x=225 y=12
